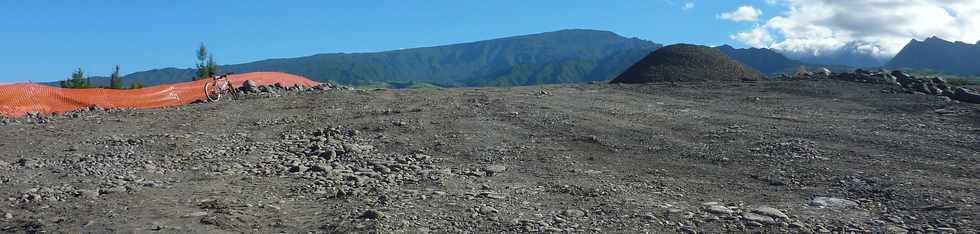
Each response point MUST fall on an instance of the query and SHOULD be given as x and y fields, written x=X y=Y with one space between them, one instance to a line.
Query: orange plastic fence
x=17 y=100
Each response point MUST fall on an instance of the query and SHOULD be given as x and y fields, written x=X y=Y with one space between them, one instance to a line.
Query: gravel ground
x=800 y=156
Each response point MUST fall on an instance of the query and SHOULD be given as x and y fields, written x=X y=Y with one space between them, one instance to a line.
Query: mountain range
x=939 y=55
x=546 y=58
x=566 y=56
x=767 y=61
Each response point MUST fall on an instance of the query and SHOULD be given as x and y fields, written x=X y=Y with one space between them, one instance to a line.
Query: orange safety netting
x=17 y=100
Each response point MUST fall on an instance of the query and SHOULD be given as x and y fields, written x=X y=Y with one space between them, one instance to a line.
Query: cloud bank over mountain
x=874 y=29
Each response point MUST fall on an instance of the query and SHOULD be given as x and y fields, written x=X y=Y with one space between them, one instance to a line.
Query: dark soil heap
x=684 y=62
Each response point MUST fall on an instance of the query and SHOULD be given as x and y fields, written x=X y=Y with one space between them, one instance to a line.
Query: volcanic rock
x=494 y=169
x=719 y=209
x=758 y=218
x=573 y=213
x=771 y=212
x=832 y=202
x=372 y=214
x=966 y=95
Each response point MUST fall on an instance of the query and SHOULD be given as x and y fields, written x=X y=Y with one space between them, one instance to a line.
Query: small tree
x=206 y=64
x=136 y=85
x=115 y=82
x=77 y=80
x=212 y=65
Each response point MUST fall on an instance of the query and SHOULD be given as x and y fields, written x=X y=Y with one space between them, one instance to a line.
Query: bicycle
x=219 y=86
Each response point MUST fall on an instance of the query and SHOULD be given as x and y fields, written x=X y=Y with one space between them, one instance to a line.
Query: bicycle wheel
x=231 y=90
x=211 y=91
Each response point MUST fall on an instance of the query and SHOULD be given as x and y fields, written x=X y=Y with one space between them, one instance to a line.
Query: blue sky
x=42 y=40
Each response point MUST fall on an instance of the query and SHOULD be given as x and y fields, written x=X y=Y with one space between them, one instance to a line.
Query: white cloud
x=758 y=37
x=743 y=13
x=688 y=6
x=875 y=27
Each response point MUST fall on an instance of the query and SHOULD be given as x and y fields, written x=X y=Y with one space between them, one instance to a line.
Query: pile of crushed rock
x=339 y=164
x=250 y=87
x=906 y=82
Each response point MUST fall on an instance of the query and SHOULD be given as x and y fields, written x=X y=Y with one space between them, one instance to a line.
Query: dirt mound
x=18 y=100
x=684 y=62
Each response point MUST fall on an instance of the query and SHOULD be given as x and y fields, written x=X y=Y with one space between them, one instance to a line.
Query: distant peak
x=725 y=47
x=935 y=39
x=686 y=45
x=578 y=31
x=582 y=30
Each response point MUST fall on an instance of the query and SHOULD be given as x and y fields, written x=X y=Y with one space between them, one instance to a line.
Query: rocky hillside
x=903 y=82
x=939 y=55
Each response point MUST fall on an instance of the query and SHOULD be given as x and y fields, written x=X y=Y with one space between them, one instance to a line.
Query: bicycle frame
x=218 y=86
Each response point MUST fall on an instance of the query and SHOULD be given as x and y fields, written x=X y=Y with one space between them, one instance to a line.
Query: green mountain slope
x=565 y=71
x=554 y=57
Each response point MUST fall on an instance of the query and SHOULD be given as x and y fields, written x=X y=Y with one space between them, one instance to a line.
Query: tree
x=206 y=64
x=115 y=82
x=212 y=65
x=77 y=80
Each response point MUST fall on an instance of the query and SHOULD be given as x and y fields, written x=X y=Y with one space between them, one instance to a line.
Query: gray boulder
x=824 y=72
x=832 y=202
x=250 y=86
x=901 y=76
x=966 y=95
x=771 y=212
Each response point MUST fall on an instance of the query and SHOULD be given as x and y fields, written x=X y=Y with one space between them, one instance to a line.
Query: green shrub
x=76 y=81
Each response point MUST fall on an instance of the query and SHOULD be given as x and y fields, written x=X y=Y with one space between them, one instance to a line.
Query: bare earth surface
x=802 y=156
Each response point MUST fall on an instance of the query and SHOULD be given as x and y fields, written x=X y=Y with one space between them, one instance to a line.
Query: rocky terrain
x=803 y=156
x=898 y=81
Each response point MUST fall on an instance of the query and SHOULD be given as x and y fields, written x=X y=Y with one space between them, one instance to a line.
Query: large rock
x=823 y=71
x=771 y=212
x=901 y=77
x=832 y=202
x=966 y=95
x=942 y=86
x=758 y=218
x=250 y=86
x=372 y=214
x=683 y=62
x=494 y=169
x=863 y=76
x=719 y=209
x=885 y=78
